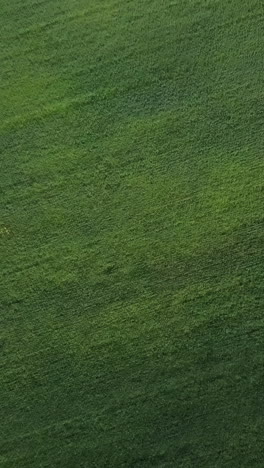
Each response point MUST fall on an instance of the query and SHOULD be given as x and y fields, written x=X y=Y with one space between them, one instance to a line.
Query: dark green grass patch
x=131 y=234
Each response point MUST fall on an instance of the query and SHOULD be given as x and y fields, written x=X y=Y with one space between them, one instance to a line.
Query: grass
x=131 y=233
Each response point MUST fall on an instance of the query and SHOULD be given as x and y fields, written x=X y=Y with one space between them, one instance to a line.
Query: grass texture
x=131 y=234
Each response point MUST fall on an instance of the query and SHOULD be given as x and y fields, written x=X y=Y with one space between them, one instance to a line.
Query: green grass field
x=131 y=233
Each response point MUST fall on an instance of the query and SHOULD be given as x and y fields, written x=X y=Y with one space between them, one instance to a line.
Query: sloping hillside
x=131 y=233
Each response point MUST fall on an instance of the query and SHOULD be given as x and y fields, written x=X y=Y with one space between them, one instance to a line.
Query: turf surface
x=131 y=233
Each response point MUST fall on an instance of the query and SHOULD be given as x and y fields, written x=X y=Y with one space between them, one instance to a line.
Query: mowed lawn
x=131 y=233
